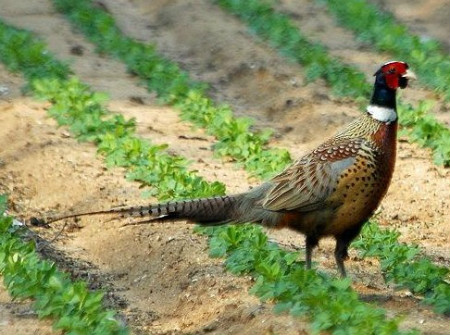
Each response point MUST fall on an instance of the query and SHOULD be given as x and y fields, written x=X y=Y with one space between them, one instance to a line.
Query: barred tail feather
x=214 y=210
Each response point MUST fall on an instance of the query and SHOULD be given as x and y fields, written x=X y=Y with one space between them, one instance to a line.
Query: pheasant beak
x=409 y=75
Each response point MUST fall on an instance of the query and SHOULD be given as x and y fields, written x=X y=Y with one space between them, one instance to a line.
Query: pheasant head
x=388 y=79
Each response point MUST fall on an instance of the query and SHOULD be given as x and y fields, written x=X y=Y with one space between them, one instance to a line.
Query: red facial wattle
x=392 y=81
x=394 y=74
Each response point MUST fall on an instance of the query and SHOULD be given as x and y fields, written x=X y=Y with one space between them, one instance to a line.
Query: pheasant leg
x=311 y=243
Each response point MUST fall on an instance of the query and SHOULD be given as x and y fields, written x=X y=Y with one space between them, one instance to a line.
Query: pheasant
x=331 y=191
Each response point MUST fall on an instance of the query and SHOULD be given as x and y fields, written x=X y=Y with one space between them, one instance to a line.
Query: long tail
x=212 y=211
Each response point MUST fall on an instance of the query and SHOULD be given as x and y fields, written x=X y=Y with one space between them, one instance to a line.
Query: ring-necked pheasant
x=331 y=191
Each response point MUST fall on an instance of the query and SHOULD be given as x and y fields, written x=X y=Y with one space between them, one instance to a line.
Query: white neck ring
x=382 y=114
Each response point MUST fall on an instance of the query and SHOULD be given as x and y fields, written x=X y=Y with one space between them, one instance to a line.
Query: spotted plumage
x=330 y=191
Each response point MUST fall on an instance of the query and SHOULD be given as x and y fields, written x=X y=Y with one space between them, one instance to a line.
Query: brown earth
x=159 y=277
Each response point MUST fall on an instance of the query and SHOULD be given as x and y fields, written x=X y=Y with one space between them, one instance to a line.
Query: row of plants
x=379 y=28
x=74 y=105
x=423 y=128
x=251 y=9
x=280 y=32
x=403 y=264
x=173 y=86
x=331 y=303
x=77 y=310
x=283 y=35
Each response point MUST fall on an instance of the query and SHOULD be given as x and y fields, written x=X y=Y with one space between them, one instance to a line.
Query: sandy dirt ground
x=159 y=276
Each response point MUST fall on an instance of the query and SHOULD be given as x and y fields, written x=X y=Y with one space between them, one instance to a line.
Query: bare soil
x=159 y=276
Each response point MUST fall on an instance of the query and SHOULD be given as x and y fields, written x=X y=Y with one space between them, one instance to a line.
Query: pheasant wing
x=306 y=184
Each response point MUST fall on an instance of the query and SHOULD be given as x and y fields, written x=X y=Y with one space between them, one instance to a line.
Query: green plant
x=234 y=137
x=380 y=29
x=403 y=265
x=423 y=128
x=83 y=111
x=282 y=34
x=12 y=53
x=77 y=310
x=331 y=303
